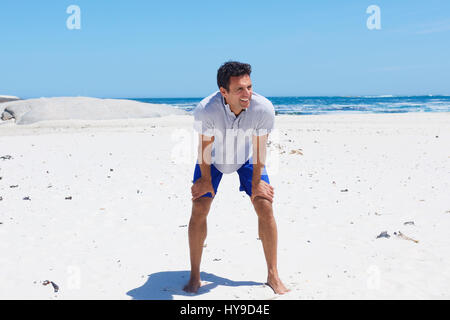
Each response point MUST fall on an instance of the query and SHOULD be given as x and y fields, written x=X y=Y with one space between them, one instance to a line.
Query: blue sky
x=174 y=48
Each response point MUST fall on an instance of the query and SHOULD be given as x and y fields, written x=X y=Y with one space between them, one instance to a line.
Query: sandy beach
x=101 y=208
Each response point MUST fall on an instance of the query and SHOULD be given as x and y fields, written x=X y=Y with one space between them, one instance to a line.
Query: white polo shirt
x=232 y=145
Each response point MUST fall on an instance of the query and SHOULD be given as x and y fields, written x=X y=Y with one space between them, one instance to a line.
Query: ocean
x=326 y=105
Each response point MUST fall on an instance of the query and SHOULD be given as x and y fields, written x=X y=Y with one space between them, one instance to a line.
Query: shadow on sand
x=164 y=285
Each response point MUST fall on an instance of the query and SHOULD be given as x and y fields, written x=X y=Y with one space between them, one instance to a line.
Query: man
x=231 y=123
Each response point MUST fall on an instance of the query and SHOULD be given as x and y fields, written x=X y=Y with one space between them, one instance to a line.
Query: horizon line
x=267 y=96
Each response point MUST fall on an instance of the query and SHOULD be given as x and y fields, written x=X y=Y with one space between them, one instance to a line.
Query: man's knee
x=263 y=207
x=201 y=206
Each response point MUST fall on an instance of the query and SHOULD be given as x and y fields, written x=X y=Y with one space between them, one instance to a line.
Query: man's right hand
x=262 y=189
x=201 y=187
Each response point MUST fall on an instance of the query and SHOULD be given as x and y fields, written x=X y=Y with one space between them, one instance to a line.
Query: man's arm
x=204 y=154
x=204 y=184
x=259 y=157
x=260 y=188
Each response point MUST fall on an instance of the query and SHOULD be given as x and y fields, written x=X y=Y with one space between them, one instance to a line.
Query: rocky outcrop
x=6 y=115
x=8 y=98
x=82 y=108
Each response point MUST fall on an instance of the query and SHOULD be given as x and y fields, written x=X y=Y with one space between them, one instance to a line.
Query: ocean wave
x=324 y=105
x=380 y=96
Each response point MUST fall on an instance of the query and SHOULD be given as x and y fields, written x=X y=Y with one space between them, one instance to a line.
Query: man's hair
x=231 y=69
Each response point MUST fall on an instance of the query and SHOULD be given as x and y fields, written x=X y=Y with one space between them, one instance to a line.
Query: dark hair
x=231 y=69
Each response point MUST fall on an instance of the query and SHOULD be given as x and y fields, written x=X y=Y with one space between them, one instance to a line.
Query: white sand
x=124 y=233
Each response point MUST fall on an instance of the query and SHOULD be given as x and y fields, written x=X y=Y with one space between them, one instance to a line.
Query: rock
x=54 y=285
x=84 y=108
x=384 y=234
x=6 y=115
x=7 y=157
x=8 y=98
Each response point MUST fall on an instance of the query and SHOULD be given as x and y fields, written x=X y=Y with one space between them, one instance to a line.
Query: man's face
x=240 y=93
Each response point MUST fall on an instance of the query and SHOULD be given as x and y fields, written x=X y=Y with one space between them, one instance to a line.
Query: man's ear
x=223 y=91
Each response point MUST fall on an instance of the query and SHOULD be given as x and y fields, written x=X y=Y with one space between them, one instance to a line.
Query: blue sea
x=326 y=105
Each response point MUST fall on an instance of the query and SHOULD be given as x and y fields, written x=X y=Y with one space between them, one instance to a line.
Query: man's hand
x=201 y=187
x=262 y=189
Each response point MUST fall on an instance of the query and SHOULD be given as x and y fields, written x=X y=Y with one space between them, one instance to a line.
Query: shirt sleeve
x=266 y=122
x=203 y=122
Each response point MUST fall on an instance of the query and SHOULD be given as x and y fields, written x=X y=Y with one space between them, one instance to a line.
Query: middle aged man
x=233 y=124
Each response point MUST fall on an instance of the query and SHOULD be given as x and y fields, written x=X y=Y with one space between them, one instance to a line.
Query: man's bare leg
x=197 y=235
x=267 y=228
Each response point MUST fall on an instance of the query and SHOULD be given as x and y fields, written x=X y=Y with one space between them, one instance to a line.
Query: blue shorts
x=245 y=177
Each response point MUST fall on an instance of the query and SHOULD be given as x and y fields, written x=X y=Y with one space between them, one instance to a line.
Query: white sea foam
x=380 y=96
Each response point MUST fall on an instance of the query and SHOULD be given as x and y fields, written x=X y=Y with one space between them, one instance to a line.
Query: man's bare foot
x=192 y=286
x=277 y=286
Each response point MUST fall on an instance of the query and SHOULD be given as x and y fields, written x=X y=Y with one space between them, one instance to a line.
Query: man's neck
x=233 y=109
